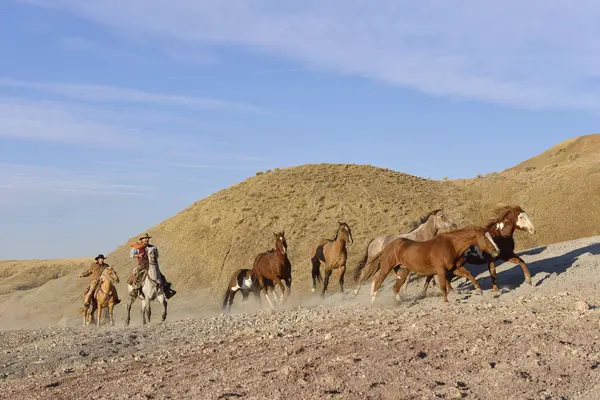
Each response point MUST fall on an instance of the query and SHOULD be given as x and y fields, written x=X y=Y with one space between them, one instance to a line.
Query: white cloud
x=111 y=94
x=536 y=54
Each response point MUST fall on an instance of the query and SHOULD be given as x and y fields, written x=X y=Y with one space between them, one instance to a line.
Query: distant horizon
x=114 y=116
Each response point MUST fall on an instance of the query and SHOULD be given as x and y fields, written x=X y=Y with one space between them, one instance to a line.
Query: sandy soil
x=528 y=342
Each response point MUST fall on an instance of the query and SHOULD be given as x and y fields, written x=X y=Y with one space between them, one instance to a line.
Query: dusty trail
x=530 y=342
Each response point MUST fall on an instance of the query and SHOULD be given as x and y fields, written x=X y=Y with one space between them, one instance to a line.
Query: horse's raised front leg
x=517 y=260
x=463 y=272
x=384 y=271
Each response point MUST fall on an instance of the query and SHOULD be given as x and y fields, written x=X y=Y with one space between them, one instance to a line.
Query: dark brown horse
x=334 y=254
x=274 y=266
x=434 y=257
x=245 y=281
x=502 y=227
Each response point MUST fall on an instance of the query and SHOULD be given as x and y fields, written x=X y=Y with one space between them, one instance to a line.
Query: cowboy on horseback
x=95 y=271
x=142 y=251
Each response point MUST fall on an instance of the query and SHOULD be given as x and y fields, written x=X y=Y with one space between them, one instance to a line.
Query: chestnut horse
x=502 y=227
x=243 y=280
x=432 y=257
x=428 y=226
x=103 y=297
x=274 y=266
x=333 y=254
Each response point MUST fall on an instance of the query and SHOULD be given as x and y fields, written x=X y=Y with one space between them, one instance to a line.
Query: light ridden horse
x=429 y=226
x=104 y=296
x=434 y=257
x=273 y=267
x=502 y=227
x=334 y=254
x=243 y=280
x=149 y=291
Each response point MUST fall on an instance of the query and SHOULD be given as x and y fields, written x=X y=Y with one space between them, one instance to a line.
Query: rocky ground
x=528 y=342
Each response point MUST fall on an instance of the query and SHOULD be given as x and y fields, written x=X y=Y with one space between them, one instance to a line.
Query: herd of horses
x=436 y=248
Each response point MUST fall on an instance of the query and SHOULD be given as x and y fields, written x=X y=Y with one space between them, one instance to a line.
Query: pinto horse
x=274 y=266
x=334 y=254
x=502 y=227
x=243 y=280
x=429 y=225
x=436 y=256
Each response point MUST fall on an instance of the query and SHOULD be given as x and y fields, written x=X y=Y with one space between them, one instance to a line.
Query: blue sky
x=115 y=115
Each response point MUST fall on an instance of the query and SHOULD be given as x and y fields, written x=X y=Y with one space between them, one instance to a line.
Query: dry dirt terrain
x=527 y=342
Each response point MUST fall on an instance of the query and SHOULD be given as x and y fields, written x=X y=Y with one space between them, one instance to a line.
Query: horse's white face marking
x=283 y=246
x=500 y=226
x=525 y=223
x=489 y=237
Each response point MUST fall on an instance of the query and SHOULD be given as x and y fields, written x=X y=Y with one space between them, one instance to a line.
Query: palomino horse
x=149 y=291
x=104 y=297
x=243 y=280
x=502 y=227
x=273 y=266
x=334 y=254
x=432 y=257
x=429 y=226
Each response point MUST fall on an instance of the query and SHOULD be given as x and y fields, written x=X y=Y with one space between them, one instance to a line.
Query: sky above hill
x=115 y=115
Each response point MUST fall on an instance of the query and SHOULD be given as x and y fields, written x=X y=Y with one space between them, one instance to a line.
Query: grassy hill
x=202 y=245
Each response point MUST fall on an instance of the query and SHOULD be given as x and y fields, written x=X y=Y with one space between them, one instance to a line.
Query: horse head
x=280 y=242
x=486 y=243
x=524 y=223
x=345 y=229
x=110 y=274
x=443 y=222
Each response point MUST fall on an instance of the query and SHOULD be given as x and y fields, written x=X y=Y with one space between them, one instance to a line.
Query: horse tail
x=226 y=297
x=362 y=263
x=373 y=266
x=316 y=271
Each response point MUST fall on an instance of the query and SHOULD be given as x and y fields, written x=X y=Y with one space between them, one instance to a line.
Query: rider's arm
x=84 y=274
x=133 y=253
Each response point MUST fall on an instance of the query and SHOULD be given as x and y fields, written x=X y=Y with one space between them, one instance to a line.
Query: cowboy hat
x=100 y=256
x=146 y=236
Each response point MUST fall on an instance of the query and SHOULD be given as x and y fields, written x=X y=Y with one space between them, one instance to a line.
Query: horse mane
x=500 y=212
x=421 y=220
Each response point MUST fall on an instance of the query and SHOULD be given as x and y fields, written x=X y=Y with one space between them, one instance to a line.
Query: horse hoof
x=528 y=280
x=480 y=292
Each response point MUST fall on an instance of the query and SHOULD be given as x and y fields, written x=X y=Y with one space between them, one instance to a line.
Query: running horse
x=429 y=225
x=149 y=291
x=104 y=297
x=245 y=281
x=273 y=267
x=434 y=257
x=502 y=227
x=334 y=254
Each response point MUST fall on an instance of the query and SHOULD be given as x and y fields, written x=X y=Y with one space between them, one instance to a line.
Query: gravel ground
x=527 y=342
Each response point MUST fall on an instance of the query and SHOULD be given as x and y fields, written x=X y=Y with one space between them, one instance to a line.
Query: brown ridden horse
x=436 y=256
x=243 y=280
x=274 y=266
x=104 y=297
x=334 y=254
x=502 y=227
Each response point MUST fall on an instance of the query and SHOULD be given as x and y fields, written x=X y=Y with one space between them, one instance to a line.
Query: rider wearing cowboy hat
x=95 y=271
x=140 y=251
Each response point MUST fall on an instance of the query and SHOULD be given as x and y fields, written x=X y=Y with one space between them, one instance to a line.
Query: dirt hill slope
x=202 y=245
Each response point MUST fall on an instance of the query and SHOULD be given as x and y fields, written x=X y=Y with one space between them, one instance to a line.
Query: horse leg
x=129 y=304
x=442 y=278
x=426 y=285
x=99 y=315
x=383 y=273
x=144 y=301
x=163 y=299
x=265 y=291
x=326 y=281
x=316 y=272
x=149 y=309
x=463 y=272
x=111 y=306
x=342 y=273
x=517 y=260
x=401 y=276
x=282 y=287
x=492 y=271
x=230 y=302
